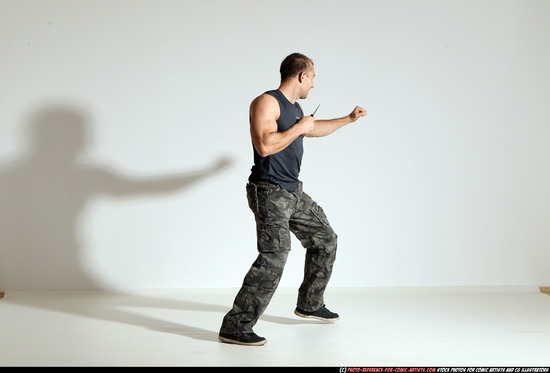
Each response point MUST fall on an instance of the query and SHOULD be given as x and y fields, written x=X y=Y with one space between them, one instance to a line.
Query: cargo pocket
x=273 y=238
x=325 y=239
x=320 y=214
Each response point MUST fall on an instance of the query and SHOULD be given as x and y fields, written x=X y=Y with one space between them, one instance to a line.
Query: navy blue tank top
x=282 y=168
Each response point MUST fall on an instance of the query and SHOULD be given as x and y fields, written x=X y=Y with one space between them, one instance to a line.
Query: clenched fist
x=307 y=124
x=357 y=113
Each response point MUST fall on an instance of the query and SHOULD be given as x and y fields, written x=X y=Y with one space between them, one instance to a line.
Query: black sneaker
x=321 y=314
x=246 y=339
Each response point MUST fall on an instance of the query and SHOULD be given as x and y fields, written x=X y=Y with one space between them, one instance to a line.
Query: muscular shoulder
x=265 y=105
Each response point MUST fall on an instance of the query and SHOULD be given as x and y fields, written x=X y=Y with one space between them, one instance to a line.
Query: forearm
x=326 y=127
x=274 y=142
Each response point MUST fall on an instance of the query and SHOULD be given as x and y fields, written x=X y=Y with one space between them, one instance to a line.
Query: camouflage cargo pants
x=279 y=212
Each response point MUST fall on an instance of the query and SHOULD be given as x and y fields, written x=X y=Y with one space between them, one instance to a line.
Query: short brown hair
x=293 y=65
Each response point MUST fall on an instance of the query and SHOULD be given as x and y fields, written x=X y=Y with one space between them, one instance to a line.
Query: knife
x=315 y=110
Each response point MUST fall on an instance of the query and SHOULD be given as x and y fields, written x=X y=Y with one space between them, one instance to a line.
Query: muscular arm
x=326 y=127
x=264 y=112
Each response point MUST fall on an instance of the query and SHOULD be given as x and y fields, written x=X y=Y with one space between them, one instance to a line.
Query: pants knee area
x=326 y=243
x=332 y=242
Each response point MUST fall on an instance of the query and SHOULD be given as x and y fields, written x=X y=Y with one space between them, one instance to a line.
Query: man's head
x=300 y=68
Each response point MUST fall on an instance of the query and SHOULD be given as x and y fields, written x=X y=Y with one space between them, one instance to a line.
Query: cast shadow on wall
x=44 y=192
x=42 y=196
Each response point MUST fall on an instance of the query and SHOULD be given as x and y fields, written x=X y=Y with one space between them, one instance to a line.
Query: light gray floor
x=377 y=327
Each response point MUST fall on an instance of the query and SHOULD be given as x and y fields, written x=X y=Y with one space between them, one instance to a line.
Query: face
x=307 y=82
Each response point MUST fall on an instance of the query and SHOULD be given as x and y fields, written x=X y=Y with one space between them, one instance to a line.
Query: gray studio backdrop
x=124 y=143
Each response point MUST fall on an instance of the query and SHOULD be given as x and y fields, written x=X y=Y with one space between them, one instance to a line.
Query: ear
x=301 y=76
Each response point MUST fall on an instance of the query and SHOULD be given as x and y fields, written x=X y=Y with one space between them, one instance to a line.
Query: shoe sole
x=315 y=317
x=235 y=342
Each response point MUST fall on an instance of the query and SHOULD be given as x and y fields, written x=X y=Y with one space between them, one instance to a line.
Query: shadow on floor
x=117 y=307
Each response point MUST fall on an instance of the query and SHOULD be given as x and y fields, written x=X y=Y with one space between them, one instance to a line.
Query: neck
x=290 y=91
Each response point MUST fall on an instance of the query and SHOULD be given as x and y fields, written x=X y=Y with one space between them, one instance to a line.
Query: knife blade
x=315 y=110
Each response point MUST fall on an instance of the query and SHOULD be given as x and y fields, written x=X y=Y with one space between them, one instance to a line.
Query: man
x=280 y=206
